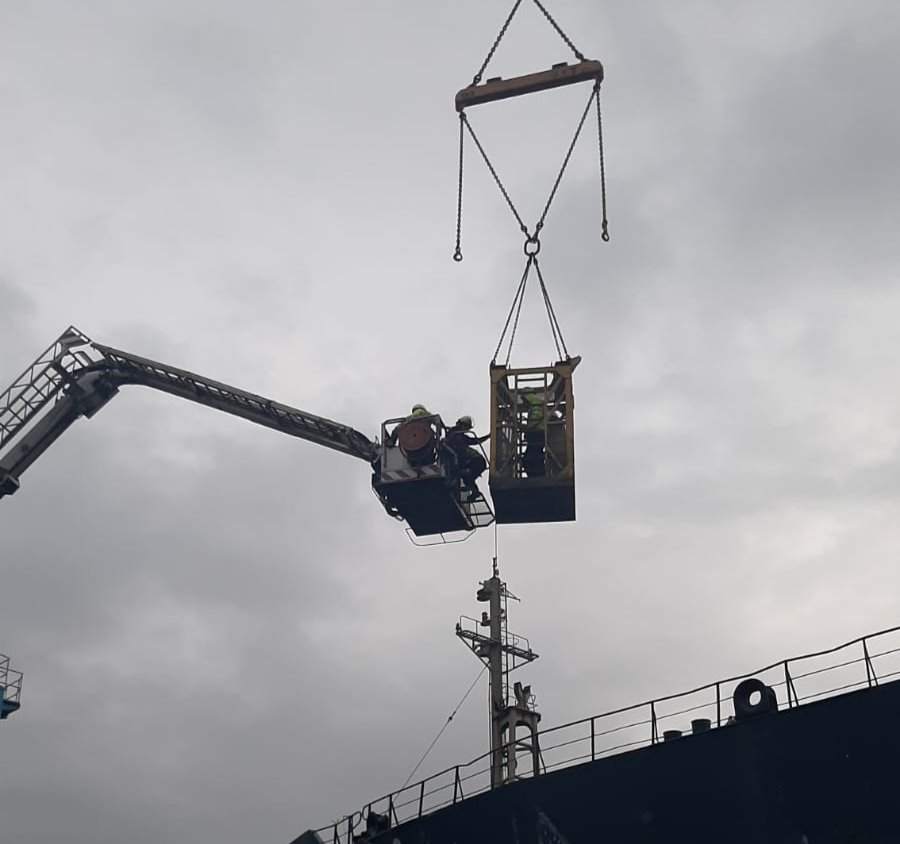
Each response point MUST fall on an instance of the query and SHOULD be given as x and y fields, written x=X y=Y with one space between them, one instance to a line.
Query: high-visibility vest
x=536 y=410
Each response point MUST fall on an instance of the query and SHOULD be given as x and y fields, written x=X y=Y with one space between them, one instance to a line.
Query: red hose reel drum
x=417 y=441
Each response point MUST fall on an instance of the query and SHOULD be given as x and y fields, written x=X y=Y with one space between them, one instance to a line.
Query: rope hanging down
x=441 y=731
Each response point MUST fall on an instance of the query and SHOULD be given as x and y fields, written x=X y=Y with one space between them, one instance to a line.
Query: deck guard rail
x=858 y=664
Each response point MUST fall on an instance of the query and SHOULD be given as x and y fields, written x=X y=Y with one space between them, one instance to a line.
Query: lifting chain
x=532 y=238
x=496 y=44
x=604 y=224
x=516 y=309
x=532 y=245
x=457 y=253
x=578 y=54
x=555 y=25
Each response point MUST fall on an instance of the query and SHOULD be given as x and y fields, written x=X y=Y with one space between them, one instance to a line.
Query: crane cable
x=441 y=731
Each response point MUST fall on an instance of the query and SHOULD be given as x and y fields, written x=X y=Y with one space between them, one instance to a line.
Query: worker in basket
x=462 y=443
x=535 y=426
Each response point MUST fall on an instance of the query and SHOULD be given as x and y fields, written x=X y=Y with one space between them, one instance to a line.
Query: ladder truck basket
x=532 y=465
x=416 y=478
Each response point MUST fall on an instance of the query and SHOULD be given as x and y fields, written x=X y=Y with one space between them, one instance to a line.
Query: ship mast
x=502 y=652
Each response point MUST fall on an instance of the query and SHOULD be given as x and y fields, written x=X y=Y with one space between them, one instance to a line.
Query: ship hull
x=824 y=773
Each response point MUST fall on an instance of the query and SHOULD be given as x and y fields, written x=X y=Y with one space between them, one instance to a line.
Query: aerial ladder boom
x=76 y=377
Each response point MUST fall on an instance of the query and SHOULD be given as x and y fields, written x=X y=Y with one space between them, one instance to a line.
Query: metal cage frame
x=532 y=466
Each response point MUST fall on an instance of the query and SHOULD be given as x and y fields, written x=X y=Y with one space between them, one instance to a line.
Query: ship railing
x=859 y=664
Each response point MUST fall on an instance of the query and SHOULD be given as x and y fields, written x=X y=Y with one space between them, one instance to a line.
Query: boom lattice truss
x=76 y=377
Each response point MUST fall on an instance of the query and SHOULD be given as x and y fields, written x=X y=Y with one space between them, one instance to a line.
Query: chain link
x=515 y=308
x=578 y=54
x=457 y=254
x=565 y=163
x=604 y=224
x=531 y=238
x=532 y=241
x=555 y=330
x=496 y=43
x=490 y=166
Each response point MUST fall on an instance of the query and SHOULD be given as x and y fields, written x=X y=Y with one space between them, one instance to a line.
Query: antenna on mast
x=502 y=652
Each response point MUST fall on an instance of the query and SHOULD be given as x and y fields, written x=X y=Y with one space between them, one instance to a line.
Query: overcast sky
x=224 y=638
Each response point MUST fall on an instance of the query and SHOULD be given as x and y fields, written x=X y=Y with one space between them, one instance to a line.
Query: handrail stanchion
x=871 y=676
x=789 y=685
x=720 y=687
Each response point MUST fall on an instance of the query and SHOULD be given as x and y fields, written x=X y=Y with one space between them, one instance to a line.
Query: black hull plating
x=824 y=773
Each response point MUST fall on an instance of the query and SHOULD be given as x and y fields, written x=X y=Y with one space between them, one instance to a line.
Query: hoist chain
x=457 y=253
x=522 y=227
x=496 y=43
x=561 y=349
x=555 y=25
x=604 y=223
x=578 y=54
x=565 y=164
x=532 y=238
x=516 y=309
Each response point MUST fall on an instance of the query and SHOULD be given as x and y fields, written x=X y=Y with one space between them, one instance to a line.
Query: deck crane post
x=76 y=377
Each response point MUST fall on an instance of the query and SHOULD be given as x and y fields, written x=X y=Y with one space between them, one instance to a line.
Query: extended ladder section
x=10 y=688
x=421 y=483
x=75 y=377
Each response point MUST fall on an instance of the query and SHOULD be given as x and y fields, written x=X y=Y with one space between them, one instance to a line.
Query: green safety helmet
x=419 y=410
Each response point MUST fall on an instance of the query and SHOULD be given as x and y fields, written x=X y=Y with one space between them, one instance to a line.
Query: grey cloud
x=223 y=636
